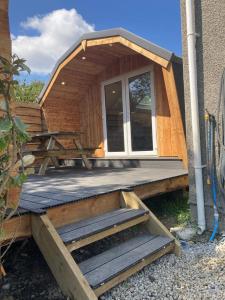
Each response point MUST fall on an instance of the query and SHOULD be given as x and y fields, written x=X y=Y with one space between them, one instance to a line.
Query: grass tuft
x=172 y=205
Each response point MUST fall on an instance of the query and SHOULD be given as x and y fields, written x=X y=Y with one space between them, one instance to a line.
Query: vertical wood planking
x=163 y=116
x=178 y=137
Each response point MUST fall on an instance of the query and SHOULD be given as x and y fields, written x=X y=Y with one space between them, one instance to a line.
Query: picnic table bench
x=51 y=149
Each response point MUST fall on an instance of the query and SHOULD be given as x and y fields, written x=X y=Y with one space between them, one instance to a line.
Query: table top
x=48 y=134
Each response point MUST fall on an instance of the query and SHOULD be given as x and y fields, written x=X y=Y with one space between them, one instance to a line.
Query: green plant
x=175 y=206
x=27 y=92
x=12 y=136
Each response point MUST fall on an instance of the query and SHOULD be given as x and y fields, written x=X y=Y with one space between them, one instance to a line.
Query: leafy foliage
x=12 y=135
x=172 y=206
x=28 y=92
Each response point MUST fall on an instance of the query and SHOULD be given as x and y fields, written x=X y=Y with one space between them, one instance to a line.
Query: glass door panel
x=140 y=107
x=114 y=117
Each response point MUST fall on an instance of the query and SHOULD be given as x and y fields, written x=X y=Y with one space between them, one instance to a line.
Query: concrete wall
x=210 y=25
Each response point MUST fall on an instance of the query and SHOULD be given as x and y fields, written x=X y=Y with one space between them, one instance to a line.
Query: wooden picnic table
x=52 y=149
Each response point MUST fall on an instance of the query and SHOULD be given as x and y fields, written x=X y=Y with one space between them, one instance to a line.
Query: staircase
x=94 y=276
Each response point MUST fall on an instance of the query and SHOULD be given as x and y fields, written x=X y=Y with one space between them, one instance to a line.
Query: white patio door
x=129 y=114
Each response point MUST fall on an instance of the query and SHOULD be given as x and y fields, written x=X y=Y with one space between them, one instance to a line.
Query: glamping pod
x=123 y=93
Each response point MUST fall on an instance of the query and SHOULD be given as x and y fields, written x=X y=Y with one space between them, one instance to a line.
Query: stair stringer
x=154 y=226
x=64 y=268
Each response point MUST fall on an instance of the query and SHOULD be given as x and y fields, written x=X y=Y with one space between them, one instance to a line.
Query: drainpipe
x=191 y=42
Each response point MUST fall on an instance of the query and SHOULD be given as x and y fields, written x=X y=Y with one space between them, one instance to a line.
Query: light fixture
x=83 y=57
x=63 y=83
x=113 y=92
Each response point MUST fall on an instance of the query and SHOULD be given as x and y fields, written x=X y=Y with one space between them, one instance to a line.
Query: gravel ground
x=199 y=273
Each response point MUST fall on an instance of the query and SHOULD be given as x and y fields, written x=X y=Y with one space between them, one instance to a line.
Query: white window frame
x=126 y=114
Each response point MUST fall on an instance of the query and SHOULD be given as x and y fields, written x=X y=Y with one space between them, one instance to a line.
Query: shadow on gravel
x=28 y=276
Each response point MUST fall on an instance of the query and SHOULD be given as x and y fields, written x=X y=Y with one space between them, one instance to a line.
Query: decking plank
x=41 y=200
x=101 y=259
x=31 y=206
x=69 y=185
x=102 y=225
x=121 y=263
x=86 y=222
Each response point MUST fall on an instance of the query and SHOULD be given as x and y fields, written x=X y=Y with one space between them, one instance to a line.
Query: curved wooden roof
x=95 y=47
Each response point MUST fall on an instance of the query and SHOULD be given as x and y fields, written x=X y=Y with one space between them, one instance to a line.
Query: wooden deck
x=75 y=194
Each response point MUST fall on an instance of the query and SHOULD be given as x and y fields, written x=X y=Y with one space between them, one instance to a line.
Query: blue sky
x=41 y=42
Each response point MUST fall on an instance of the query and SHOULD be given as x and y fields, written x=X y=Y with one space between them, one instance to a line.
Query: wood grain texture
x=121 y=47
x=67 y=214
x=162 y=186
x=5 y=40
x=178 y=141
x=163 y=116
x=16 y=227
x=153 y=57
x=31 y=115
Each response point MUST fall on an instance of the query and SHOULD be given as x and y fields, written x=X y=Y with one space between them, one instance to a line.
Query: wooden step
x=116 y=264
x=87 y=231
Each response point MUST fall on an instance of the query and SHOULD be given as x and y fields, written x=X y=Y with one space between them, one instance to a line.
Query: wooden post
x=2 y=271
x=87 y=163
x=5 y=41
x=44 y=164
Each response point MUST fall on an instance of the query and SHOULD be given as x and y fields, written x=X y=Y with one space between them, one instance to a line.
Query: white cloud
x=57 y=31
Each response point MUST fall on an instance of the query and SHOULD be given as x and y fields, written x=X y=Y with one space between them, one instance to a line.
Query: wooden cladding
x=62 y=113
x=123 y=65
x=178 y=141
x=170 y=131
x=31 y=115
x=91 y=120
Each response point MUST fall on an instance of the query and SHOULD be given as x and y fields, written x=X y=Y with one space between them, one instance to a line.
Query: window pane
x=141 y=112
x=114 y=117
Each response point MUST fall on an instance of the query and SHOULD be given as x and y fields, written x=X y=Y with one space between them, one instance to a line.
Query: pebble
x=6 y=286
